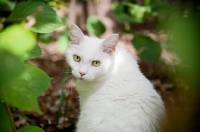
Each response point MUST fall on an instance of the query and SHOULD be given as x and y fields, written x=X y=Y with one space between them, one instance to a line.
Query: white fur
x=114 y=97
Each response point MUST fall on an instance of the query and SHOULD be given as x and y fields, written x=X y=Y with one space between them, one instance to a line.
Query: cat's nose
x=82 y=73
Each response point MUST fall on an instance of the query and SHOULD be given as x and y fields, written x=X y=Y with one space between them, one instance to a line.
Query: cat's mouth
x=84 y=79
x=81 y=78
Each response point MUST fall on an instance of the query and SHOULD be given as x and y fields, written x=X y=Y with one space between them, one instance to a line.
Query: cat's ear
x=76 y=35
x=110 y=43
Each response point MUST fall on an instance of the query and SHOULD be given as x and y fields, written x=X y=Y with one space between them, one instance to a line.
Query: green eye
x=96 y=63
x=77 y=58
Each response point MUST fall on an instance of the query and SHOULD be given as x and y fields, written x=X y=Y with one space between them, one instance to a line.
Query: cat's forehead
x=91 y=42
x=90 y=48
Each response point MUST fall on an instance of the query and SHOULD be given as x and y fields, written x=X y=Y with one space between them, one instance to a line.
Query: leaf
x=24 y=91
x=121 y=13
x=46 y=18
x=146 y=2
x=63 y=41
x=5 y=121
x=31 y=129
x=10 y=67
x=17 y=39
x=137 y=12
x=7 y=5
x=45 y=37
x=95 y=26
x=151 y=49
x=127 y=12
x=35 y=52
x=117 y=8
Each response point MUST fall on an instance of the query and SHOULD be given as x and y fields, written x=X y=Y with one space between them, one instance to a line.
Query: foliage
x=63 y=41
x=45 y=17
x=95 y=26
x=128 y=12
x=31 y=129
x=150 y=49
x=20 y=82
x=24 y=90
x=15 y=45
x=5 y=121
x=132 y=13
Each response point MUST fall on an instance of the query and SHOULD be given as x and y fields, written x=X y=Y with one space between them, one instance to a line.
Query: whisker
x=58 y=77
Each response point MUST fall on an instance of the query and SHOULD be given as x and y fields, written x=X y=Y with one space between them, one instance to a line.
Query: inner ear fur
x=76 y=35
x=110 y=43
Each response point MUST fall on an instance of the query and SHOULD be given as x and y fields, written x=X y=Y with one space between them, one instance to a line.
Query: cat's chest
x=86 y=90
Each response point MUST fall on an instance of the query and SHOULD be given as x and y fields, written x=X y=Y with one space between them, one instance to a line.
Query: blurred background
x=162 y=35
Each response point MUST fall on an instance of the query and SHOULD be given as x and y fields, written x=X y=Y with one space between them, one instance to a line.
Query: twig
x=26 y=117
x=11 y=117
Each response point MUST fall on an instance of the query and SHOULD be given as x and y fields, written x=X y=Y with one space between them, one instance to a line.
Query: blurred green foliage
x=11 y=67
x=5 y=120
x=25 y=89
x=185 y=41
x=63 y=41
x=20 y=82
x=16 y=45
x=95 y=26
x=129 y=12
x=45 y=17
x=31 y=129
x=150 y=49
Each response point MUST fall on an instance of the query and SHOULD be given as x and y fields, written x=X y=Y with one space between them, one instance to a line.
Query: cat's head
x=89 y=57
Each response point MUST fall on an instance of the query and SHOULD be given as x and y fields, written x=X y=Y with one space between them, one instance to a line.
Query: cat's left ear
x=110 y=43
x=76 y=35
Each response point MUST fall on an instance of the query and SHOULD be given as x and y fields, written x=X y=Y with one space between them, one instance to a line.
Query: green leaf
x=127 y=12
x=31 y=129
x=35 y=52
x=17 y=39
x=146 y=2
x=45 y=37
x=46 y=18
x=124 y=18
x=137 y=12
x=10 y=67
x=117 y=8
x=24 y=91
x=150 y=49
x=7 y=5
x=122 y=15
x=5 y=121
x=63 y=41
x=95 y=26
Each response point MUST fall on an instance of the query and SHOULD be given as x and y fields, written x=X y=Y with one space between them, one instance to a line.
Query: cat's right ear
x=76 y=35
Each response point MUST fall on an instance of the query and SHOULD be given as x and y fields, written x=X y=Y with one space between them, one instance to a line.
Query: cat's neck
x=88 y=88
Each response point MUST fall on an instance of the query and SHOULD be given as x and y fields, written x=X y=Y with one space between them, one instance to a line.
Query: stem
x=11 y=117
x=61 y=98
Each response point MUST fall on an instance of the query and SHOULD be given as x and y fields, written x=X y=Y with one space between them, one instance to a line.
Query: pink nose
x=82 y=73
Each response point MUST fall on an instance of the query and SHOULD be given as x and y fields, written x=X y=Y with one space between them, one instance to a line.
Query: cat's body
x=116 y=97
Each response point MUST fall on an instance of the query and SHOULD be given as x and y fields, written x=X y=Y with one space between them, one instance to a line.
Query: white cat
x=114 y=95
